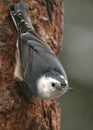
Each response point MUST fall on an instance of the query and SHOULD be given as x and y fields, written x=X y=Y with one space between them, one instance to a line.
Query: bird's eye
x=53 y=84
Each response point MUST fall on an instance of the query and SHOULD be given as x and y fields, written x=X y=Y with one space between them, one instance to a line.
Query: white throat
x=45 y=90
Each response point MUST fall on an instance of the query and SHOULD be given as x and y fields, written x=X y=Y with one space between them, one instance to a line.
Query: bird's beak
x=70 y=88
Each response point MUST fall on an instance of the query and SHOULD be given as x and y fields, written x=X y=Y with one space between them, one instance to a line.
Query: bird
x=36 y=63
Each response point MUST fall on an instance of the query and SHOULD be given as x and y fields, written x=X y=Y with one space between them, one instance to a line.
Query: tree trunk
x=47 y=19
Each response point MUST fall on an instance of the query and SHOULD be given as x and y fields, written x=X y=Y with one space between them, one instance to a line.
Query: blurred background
x=77 y=59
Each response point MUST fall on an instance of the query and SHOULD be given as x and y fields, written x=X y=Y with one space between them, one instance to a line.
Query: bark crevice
x=15 y=112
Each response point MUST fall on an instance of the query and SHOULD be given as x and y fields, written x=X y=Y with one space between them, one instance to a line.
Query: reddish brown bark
x=47 y=19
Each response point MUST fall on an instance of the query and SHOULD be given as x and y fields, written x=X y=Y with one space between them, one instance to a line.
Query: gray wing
x=36 y=59
x=33 y=49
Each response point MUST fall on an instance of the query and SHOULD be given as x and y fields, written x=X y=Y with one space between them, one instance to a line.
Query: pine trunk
x=15 y=114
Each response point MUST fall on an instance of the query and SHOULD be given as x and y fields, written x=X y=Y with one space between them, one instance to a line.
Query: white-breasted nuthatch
x=37 y=65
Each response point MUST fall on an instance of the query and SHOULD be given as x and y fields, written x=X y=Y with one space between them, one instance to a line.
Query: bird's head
x=52 y=86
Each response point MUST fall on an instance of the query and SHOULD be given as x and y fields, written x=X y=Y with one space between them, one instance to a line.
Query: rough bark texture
x=16 y=114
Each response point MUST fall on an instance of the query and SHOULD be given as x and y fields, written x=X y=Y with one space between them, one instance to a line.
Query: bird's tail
x=20 y=17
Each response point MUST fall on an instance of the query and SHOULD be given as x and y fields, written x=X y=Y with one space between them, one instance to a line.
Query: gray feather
x=36 y=57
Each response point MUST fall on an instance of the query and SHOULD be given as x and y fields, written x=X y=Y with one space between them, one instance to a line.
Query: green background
x=77 y=59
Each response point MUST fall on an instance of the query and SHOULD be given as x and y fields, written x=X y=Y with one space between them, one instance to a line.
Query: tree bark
x=15 y=114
